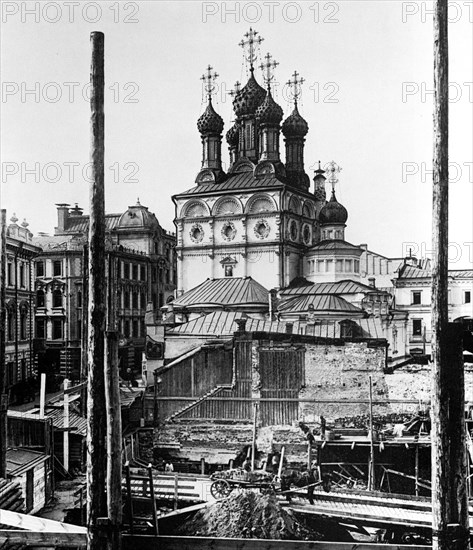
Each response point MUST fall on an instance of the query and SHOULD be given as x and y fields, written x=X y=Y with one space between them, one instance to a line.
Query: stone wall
x=341 y=373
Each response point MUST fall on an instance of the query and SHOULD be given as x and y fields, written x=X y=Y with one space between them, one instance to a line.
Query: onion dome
x=269 y=112
x=249 y=98
x=295 y=125
x=333 y=212
x=210 y=122
x=233 y=135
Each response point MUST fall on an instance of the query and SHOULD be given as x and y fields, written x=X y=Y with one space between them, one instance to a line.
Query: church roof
x=346 y=286
x=228 y=291
x=222 y=323
x=335 y=244
x=326 y=303
x=243 y=180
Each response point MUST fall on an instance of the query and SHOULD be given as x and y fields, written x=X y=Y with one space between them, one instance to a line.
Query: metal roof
x=412 y=272
x=244 y=180
x=346 y=286
x=335 y=244
x=227 y=291
x=461 y=273
x=56 y=414
x=223 y=323
x=80 y=224
x=320 y=302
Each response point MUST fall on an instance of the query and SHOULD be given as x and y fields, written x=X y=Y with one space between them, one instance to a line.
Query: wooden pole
x=3 y=395
x=114 y=423
x=371 y=472
x=253 y=442
x=416 y=467
x=450 y=527
x=42 y=395
x=66 y=426
x=153 y=499
x=96 y=455
x=130 y=496
x=281 y=462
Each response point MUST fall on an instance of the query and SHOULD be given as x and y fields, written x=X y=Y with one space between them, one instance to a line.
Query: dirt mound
x=247 y=515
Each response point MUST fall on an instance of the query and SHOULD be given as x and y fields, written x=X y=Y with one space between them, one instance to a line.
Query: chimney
x=289 y=327
x=62 y=218
x=372 y=282
x=241 y=324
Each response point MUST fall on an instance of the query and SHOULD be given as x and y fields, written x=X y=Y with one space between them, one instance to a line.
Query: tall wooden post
x=114 y=423
x=449 y=497
x=96 y=421
x=66 y=426
x=371 y=472
x=253 y=440
x=3 y=395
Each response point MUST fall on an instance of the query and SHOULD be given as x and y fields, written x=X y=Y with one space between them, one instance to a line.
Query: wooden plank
x=33 y=523
x=202 y=543
x=35 y=538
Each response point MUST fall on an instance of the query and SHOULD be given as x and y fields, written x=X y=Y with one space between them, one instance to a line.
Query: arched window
x=260 y=203
x=40 y=300
x=228 y=205
x=11 y=321
x=57 y=298
x=294 y=205
x=195 y=209
x=23 y=321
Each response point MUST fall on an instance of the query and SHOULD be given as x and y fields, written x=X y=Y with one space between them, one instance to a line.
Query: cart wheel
x=220 y=488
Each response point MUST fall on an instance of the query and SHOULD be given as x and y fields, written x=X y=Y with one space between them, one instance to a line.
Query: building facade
x=140 y=275
x=21 y=252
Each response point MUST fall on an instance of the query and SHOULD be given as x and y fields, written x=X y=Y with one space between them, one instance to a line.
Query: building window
x=57 y=298
x=143 y=300
x=22 y=275
x=127 y=328
x=348 y=266
x=79 y=298
x=9 y=274
x=40 y=298
x=356 y=266
x=228 y=271
x=23 y=321
x=417 y=327
x=79 y=329
x=416 y=297
x=467 y=297
x=135 y=300
x=126 y=303
x=161 y=300
x=143 y=273
x=40 y=328
x=339 y=266
x=136 y=329
x=57 y=329
x=135 y=272
x=57 y=268
x=329 y=266
x=126 y=274
x=11 y=318
x=39 y=269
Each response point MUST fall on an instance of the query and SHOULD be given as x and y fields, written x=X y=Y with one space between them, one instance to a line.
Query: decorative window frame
x=307 y=234
x=266 y=232
x=233 y=231
x=194 y=227
x=293 y=233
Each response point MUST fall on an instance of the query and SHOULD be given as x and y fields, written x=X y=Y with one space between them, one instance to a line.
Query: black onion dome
x=333 y=212
x=269 y=111
x=295 y=125
x=232 y=135
x=249 y=98
x=210 y=122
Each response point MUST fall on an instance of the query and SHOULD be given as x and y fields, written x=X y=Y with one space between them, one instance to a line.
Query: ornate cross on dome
x=268 y=69
x=235 y=90
x=333 y=170
x=209 y=81
x=249 y=45
x=295 y=86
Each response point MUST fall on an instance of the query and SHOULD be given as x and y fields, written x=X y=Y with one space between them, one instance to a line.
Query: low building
x=32 y=469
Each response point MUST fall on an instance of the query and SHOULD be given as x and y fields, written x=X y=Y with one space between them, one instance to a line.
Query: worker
x=169 y=467
x=323 y=425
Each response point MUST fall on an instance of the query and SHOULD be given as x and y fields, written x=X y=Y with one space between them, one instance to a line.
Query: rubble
x=248 y=514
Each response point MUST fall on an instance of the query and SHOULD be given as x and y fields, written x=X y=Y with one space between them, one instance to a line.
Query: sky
x=367 y=97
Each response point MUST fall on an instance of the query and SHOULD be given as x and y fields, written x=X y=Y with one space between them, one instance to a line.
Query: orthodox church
x=262 y=239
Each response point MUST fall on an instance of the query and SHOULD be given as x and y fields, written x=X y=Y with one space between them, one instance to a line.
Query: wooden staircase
x=213 y=392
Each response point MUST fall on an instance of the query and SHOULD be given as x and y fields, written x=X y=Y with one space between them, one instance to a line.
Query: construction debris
x=248 y=514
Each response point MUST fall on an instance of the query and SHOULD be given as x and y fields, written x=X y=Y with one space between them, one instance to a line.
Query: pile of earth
x=247 y=514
